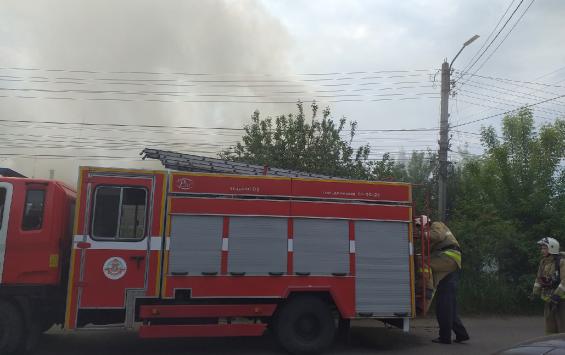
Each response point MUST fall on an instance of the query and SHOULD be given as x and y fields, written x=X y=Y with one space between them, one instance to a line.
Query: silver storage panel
x=321 y=246
x=382 y=268
x=196 y=244
x=257 y=245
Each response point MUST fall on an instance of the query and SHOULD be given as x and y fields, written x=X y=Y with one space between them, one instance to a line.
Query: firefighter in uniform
x=550 y=285
x=445 y=263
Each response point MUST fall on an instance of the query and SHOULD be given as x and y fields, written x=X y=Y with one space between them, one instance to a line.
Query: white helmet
x=552 y=244
x=422 y=219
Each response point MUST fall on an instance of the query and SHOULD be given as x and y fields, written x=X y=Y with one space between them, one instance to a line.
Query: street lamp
x=469 y=41
x=444 y=130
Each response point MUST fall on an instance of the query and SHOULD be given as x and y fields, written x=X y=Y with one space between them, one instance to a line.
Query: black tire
x=11 y=328
x=31 y=337
x=305 y=325
x=343 y=330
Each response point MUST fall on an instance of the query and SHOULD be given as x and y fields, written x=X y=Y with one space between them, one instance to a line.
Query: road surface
x=487 y=336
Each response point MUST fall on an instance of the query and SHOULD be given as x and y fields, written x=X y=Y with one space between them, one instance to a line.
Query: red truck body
x=180 y=254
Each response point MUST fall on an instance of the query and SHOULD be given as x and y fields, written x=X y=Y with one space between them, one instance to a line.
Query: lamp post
x=444 y=130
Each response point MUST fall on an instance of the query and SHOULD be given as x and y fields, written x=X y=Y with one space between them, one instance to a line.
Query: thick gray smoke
x=121 y=45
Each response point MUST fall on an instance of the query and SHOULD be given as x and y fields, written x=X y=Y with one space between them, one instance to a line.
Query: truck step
x=199 y=331
x=206 y=311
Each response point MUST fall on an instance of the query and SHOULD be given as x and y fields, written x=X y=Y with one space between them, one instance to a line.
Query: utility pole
x=444 y=130
x=443 y=139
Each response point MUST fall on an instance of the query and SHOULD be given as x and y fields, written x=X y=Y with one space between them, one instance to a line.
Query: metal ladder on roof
x=197 y=163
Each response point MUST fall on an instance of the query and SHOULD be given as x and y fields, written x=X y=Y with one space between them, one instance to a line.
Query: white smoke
x=215 y=37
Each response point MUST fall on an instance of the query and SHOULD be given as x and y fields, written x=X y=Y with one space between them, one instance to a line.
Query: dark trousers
x=446 y=308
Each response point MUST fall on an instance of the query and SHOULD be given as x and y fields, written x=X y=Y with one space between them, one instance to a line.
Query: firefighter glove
x=555 y=299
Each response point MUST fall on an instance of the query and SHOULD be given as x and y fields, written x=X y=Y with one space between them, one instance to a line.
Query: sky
x=95 y=82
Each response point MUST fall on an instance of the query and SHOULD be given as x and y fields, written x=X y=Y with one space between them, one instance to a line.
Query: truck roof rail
x=198 y=163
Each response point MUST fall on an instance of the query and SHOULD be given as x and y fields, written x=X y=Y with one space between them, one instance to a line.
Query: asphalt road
x=487 y=336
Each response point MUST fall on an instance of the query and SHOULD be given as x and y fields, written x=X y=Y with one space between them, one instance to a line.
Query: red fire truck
x=194 y=254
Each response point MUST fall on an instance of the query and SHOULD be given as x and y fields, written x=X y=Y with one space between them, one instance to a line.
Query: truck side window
x=119 y=213
x=2 y=202
x=33 y=210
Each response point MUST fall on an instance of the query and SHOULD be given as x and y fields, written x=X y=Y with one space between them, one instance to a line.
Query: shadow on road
x=361 y=340
x=381 y=338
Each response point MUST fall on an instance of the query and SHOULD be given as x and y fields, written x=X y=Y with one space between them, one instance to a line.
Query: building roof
x=10 y=173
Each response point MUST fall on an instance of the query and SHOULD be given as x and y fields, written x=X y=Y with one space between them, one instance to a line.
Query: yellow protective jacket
x=445 y=252
x=547 y=282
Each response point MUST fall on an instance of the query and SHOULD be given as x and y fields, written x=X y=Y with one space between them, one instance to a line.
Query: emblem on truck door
x=115 y=268
x=184 y=184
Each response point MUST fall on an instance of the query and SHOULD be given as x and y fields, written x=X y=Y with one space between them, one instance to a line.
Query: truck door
x=5 y=203
x=116 y=239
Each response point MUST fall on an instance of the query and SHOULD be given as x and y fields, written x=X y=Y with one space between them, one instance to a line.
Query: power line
x=211 y=83
x=88 y=124
x=495 y=37
x=490 y=99
x=220 y=95
x=201 y=74
x=100 y=157
x=215 y=94
x=465 y=132
x=107 y=144
x=505 y=37
x=226 y=101
x=120 y=139
x=468 y=66
x=493 y=108
x=550 y=73
x=509 y=92
x=39 y=141
x=122 y=125
x=509 y=111
x=513 y=81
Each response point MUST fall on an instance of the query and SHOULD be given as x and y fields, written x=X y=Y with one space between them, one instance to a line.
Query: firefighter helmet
x=552 y=244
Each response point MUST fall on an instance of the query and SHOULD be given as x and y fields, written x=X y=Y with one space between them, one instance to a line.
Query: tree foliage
x=293 y=141
x=420 y=169
x=507 y=200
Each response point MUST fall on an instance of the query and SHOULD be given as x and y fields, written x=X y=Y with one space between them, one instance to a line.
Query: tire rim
x=307 y=327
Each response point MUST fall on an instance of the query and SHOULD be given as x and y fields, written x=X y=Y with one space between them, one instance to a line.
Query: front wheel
x=11 y=328
x=305 y=325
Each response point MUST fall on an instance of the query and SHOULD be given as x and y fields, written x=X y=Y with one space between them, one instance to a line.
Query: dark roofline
x=10 y=173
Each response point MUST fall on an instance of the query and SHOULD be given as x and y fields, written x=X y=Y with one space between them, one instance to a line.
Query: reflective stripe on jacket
x=425 y=270
x=455 y=255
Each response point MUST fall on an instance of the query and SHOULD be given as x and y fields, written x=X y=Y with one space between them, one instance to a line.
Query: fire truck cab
x=190 y=254
x=35 y=245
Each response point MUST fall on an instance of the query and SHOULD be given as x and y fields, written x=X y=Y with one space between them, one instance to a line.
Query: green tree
x=504 y=201
x=420 y=170
x=293 y=141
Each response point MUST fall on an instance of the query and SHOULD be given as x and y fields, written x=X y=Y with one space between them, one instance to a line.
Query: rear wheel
x=11 y=328
x=305 y=325
x=31 y=337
